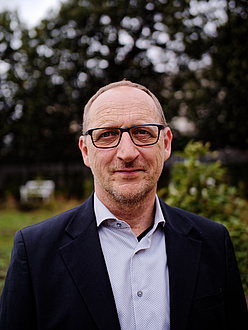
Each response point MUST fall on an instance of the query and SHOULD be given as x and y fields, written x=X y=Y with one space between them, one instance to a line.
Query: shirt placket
x=140 y=287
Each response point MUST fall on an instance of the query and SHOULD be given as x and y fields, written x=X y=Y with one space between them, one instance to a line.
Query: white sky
x=31 y=12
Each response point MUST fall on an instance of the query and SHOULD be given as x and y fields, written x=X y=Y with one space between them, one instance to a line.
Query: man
x=124 y=259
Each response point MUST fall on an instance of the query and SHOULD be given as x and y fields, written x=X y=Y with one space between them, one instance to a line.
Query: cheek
x=159 y=161
x=158 y=153
x=99 y=160
x=155 y=160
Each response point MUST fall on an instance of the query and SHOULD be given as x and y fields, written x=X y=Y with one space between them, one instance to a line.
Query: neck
x=138 y=214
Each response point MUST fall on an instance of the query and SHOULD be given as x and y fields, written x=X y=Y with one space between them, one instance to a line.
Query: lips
x=129 y=171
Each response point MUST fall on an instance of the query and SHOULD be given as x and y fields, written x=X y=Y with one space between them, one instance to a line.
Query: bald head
x=123 y=83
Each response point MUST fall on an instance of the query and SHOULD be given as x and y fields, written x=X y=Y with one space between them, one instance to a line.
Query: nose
x=126 y=150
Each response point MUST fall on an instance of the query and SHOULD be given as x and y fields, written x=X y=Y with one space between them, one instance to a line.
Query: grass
x=12 y=219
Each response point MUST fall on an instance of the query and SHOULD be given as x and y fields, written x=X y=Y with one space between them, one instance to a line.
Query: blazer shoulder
x=184 y=221
x=60 y=222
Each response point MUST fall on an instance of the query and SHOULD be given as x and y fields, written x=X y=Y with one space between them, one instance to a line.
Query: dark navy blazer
x=57 y=278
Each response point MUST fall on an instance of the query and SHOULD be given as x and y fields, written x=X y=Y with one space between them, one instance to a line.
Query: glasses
x=110 y=137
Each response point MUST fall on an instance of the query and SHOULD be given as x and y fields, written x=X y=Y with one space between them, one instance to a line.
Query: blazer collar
x=177 y=219
x=85 y=216
x=82 y=219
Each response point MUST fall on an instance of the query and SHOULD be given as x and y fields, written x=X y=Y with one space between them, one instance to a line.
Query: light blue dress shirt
x=138 y=270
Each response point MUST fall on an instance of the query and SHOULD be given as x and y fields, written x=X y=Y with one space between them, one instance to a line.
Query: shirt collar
x=102 y=213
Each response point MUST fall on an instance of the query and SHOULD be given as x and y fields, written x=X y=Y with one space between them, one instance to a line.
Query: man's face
x=126 y=173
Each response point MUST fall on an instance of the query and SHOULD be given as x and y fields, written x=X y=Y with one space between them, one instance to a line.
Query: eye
x=104 y=134
x=108 y=134
x=144 y=135
x=142 y=132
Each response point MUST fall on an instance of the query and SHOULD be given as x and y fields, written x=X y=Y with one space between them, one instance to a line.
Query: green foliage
x=197 y=185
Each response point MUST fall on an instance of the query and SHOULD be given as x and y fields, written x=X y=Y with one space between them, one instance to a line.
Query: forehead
x=123 y=105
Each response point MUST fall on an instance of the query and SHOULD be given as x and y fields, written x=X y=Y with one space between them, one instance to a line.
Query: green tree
x=214 y=97
x=179 y=49
x=63 y=61
x=36 y=117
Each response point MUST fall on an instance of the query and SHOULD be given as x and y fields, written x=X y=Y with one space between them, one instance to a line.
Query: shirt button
x=139 y=293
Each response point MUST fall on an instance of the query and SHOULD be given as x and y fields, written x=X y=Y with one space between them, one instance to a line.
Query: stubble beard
x=130 y=198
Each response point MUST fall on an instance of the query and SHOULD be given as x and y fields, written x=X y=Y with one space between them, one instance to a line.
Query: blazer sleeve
x=237 y=313
x=17 y=305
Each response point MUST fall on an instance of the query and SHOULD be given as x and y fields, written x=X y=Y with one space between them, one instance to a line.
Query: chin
x=130 y=196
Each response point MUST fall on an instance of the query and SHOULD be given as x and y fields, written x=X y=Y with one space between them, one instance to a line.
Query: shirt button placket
x=137 y=288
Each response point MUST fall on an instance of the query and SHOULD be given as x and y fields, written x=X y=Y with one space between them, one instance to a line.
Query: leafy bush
x=197 y=185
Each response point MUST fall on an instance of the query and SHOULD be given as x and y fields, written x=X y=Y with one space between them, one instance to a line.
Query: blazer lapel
x=85 y=262
x=183 y=255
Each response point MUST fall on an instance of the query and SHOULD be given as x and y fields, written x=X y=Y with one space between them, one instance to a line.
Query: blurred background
x=54 y=55
x=192 y=54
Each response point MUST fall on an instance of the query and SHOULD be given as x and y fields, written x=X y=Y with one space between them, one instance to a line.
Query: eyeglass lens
x=110 y=137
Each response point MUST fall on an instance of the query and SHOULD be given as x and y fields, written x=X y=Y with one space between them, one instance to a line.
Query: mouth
x=129 y=171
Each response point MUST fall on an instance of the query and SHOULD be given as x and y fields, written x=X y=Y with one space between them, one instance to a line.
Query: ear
x=84 y=150
x=167 y=142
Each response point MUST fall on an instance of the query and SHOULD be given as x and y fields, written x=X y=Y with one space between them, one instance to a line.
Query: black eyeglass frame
x=122 y=130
